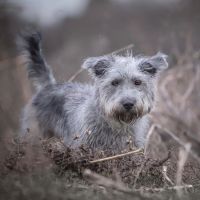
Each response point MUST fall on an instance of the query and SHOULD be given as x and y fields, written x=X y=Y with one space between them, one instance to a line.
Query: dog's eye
x=115 y=82
x=137 y=82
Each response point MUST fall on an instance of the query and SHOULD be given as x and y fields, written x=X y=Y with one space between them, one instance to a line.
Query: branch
x=116 y=156
x=114 y=52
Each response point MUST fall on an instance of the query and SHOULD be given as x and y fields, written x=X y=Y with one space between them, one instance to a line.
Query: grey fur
x=97 y=114
x=38 y=70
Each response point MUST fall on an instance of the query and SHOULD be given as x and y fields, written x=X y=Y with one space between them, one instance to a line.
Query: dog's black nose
x=128 y=105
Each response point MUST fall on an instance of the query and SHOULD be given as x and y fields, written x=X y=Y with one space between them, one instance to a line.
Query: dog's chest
x=107 y=138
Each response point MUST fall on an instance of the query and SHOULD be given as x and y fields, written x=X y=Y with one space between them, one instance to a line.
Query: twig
x=162 y=161
x=114 y=52
x=75 y=75
x=122 y=49
x=164 y=189
x=183 y=156
x=164 y=172
x=116 y=156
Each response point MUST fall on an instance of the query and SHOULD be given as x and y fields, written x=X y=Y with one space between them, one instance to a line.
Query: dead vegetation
x=169 y=167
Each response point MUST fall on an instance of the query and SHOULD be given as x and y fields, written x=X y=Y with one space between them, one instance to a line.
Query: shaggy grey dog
x=110 y=113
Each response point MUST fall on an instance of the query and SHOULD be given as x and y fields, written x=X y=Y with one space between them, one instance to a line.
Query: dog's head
x=126 y=85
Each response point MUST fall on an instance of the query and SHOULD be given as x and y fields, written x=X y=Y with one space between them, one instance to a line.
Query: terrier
x=111 y=113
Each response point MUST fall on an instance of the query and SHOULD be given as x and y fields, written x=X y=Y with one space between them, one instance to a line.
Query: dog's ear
x=154 y=64
x=97 y=66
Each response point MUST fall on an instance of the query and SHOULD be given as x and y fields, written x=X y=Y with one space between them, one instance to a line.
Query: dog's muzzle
x=128 y=117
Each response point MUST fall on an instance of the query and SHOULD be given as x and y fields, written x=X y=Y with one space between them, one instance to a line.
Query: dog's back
x=46 y=113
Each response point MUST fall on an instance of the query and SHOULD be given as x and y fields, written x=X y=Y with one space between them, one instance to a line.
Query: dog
x=111 y=113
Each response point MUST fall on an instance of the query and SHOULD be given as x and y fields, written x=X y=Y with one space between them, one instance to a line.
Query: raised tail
x=38 y=70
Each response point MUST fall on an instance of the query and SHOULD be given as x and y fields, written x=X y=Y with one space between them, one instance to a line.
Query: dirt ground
x=47 y=169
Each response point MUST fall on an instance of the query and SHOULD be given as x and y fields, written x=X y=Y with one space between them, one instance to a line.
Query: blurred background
x=75 y=29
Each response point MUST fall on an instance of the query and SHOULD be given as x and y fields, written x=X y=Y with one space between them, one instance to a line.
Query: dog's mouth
x=128 y=117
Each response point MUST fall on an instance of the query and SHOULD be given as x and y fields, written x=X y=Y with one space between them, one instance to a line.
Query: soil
x=49 y=169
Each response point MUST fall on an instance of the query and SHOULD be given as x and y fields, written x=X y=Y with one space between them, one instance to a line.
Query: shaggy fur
x=111 y=113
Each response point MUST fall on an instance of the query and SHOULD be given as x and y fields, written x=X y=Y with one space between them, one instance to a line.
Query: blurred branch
x=8 y=64
x=106 y=182
x=190 y=89
x=184 y=145
x=149 y=134
x=183 y=156
x=114 y=52
x=109 y=183
x=165 y=94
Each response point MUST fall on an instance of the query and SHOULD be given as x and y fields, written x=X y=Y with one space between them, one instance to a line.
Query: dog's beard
x=122 y=116
x=128 y=117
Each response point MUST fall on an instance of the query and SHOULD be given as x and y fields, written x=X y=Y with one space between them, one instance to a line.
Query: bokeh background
x=73 y=30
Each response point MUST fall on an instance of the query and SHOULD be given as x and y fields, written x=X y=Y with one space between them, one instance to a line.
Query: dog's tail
x=38 y=70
